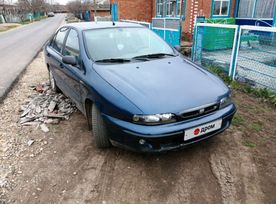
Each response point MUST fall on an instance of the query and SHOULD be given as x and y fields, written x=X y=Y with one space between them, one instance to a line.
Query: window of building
x=221 y=8
x=169 y=8
x=160 y=8
x=256 y=8
x=178 y=7
x=246 y=8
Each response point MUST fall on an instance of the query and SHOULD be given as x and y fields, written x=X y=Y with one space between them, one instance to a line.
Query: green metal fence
x=213 y=45
x=245 y=53
x=256 y=57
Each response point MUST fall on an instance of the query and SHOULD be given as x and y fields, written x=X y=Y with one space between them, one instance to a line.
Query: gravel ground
x=64 y=166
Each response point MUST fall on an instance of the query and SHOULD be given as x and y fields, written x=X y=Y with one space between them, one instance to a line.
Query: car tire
x=99 y=129
x=53 y=84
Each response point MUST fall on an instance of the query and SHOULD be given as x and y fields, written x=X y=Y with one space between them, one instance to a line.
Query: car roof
x=98 y=25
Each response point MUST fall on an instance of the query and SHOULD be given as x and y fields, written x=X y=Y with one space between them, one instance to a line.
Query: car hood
x=164 y=85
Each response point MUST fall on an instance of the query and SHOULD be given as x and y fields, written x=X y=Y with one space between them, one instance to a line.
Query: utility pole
x=3 y=5
x=4 y=10
x=181 y=11
x=180 y=20
x=95 y=10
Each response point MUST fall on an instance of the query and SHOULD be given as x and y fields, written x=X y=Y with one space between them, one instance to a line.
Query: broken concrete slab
x=44 y=128
x=52 y=106
x=45 y=107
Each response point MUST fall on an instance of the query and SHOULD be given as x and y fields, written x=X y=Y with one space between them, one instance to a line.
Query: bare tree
x=23 y=9
x=6 y=8
x=32 y=5
x=76 y=7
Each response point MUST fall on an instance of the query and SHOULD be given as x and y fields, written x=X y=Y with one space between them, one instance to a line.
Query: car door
x=72 y=75
x=54 y=55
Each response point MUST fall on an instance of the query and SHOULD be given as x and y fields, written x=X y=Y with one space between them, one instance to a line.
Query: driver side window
x=72 y=45
x=58 y=40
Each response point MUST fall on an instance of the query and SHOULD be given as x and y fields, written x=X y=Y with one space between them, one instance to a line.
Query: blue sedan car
x=136 y=91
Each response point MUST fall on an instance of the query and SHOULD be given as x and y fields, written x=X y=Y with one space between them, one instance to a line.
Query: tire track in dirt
x=238 y=176
x=85 y=182
x=124 y=177
x=223 y=174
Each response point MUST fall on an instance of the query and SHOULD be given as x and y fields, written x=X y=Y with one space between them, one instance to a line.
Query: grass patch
x=40 y=18
x=256 y=127
x=25 y=22
x=237 y=120
x=249 y=144
x=43 y=17
x=265 y=94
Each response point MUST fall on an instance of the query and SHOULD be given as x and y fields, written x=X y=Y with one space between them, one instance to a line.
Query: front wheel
x=99 y=129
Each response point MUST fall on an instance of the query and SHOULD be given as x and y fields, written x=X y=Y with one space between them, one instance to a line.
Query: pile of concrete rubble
x=45 y=107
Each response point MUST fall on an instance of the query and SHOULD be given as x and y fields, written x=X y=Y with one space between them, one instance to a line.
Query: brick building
x=102 y=11
x=141 y=10
x=245 y=11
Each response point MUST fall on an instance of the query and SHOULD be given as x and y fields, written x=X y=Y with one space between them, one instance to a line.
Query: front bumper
x=163 y=137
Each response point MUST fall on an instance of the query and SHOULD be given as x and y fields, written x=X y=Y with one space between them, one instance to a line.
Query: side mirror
x=69 y=60
x=178 y=48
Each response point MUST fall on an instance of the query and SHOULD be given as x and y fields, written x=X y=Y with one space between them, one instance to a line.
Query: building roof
x=98 y=25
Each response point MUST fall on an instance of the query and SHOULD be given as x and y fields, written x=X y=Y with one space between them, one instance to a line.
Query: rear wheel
x=53 y=82
x=99 y=129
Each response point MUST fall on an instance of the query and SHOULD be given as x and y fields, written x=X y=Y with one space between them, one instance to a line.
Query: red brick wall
x=141 y=10
x=99 y=13
x=153 y=8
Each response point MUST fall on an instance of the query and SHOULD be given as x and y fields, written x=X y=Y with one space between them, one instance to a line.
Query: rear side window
x=72 y=47
x=58 y=41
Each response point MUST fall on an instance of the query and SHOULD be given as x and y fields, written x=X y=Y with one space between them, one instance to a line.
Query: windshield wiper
x=113 y=60
x=155 y=55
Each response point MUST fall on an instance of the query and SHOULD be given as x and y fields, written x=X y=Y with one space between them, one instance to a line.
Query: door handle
x=61 y=65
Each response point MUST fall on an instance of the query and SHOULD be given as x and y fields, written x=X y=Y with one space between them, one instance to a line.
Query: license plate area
x=202 y=129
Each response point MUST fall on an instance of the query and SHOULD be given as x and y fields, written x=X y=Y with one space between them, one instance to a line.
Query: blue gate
x=114 y=12
x=168 y=28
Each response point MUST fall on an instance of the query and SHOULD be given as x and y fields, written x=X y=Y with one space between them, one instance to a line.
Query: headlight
x=225 y=102
x=154 y=119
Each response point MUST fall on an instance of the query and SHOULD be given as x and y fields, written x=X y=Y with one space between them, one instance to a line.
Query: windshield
x=124 y=43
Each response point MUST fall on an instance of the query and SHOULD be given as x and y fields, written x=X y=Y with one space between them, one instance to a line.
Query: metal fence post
x=237 y=40
x=164 y=29
x=234 y=53
x=194 y=43
x=274 y=19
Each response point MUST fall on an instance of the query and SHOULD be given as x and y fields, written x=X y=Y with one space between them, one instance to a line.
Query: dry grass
x=6 y=27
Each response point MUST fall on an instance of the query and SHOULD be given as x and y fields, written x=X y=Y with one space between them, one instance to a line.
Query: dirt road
x=64 y=166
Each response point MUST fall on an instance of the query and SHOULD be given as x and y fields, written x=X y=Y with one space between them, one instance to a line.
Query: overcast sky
x=61 y=1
